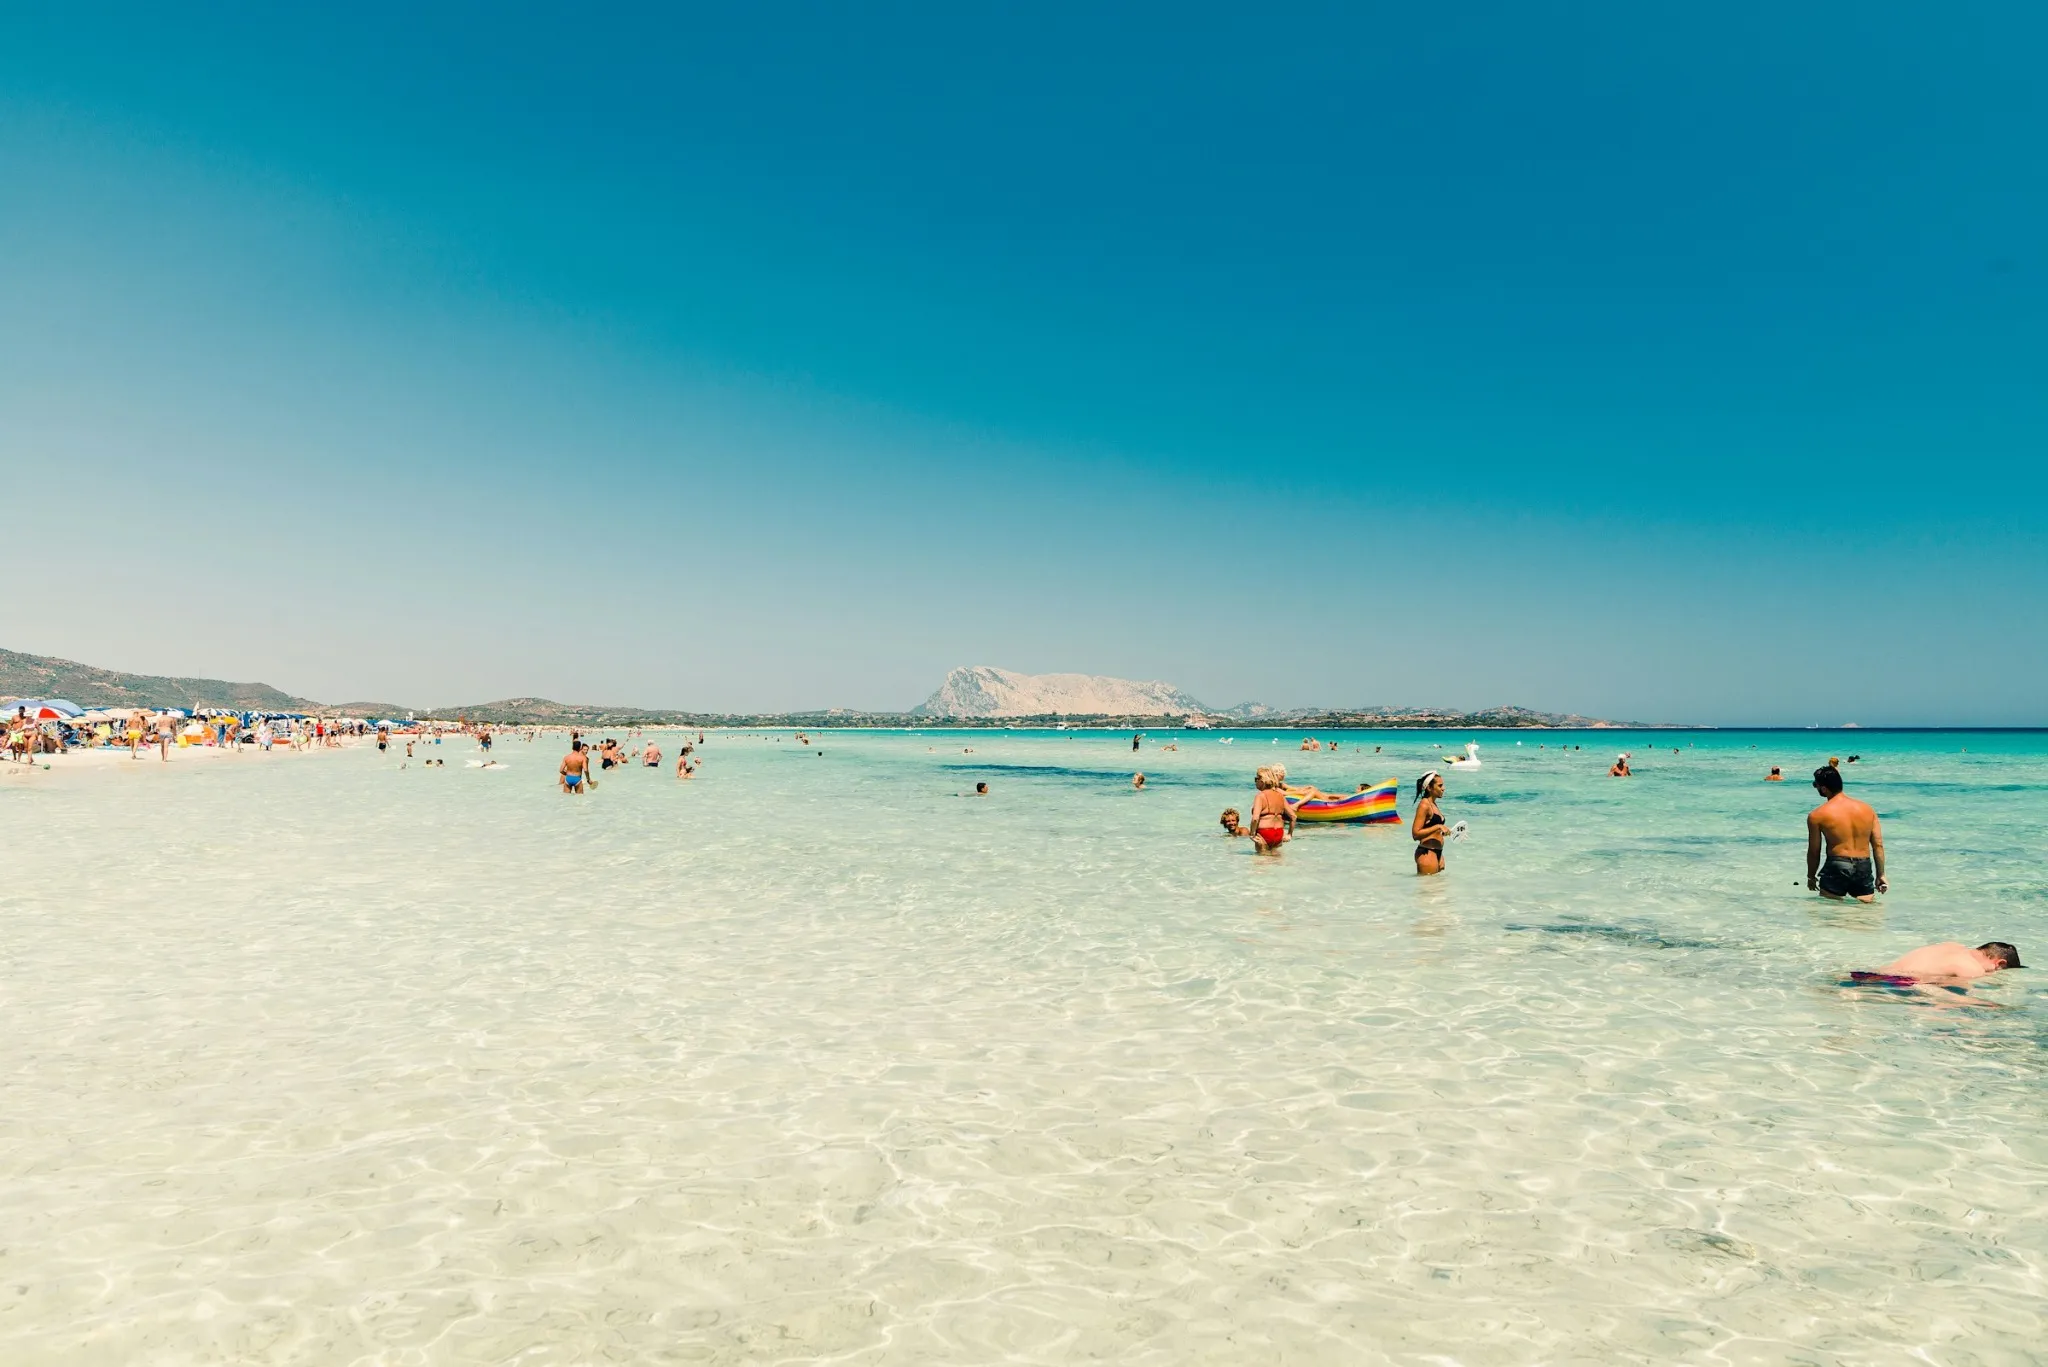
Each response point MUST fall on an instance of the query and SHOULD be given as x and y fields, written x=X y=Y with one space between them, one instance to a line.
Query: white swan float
x=1471 y=760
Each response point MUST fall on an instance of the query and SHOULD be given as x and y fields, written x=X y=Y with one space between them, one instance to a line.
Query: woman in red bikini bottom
x=1272 y=818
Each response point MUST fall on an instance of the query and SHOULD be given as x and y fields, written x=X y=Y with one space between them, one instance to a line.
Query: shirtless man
x=1946 y=963
x=651 y=756
x=575 y=771
x=1854 y=838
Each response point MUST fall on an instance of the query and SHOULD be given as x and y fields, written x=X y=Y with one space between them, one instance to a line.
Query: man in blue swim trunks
x=1854 y=837
x=575 y=771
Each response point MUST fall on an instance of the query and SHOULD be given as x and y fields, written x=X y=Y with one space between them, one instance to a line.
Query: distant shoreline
x=1670 y=728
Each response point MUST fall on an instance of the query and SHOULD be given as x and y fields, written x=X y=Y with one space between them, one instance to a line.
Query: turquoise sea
x=318 y=1059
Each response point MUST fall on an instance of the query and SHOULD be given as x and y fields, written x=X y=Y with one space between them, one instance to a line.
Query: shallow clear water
x=316 y=1060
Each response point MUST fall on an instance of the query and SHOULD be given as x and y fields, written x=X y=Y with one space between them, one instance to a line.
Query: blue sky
x=1680 y=363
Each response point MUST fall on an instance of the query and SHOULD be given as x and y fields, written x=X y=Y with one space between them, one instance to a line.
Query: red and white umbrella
x=54 y=709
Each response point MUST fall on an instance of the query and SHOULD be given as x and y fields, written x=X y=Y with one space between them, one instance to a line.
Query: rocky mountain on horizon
x=985 y=691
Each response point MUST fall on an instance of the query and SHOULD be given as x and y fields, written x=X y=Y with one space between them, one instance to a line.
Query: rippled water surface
x=314 y=1059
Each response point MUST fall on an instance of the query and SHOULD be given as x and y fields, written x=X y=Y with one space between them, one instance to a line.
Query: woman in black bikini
x=1429 y=826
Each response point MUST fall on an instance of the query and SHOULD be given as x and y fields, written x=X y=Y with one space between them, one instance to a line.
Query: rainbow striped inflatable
x=1372 y=807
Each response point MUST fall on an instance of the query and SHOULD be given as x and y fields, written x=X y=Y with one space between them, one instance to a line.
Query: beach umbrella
x=51 y=709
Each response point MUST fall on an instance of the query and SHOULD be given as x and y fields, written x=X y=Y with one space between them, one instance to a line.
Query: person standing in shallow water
x=1272 y=818
x=1854 y=838
x=575 y=770
x=1429 y=827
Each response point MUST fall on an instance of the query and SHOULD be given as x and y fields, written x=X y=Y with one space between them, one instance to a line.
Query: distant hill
x=979 y=695
x=41 y=676
x=985 y=691
x=1446 y=718
x=547 y=712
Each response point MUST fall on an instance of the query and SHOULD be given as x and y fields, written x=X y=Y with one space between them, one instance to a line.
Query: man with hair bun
x=1854 y=864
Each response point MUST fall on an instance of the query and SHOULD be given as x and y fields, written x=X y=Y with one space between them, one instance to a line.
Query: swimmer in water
x=1138 y=782
x=1945 y=963
x=1621 y=769
x=1774 y=776
x=1854 y=840
x=651 y=756
x=1429 y=827
x=575 y=771
x=1230 y=822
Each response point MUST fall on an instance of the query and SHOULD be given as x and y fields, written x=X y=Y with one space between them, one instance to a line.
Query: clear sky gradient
x=1658 y=362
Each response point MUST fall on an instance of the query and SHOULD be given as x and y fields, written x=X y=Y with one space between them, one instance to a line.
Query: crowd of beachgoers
x=38 y=727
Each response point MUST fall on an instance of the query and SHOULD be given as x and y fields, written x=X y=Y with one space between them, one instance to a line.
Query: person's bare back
x=1952 y=962
x=1854 y=841
x=574 y=774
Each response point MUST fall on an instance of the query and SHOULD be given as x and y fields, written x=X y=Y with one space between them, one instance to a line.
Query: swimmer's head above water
x=2005 y=955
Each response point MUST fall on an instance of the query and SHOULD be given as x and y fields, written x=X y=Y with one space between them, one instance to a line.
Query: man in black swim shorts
x=1854 y=839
